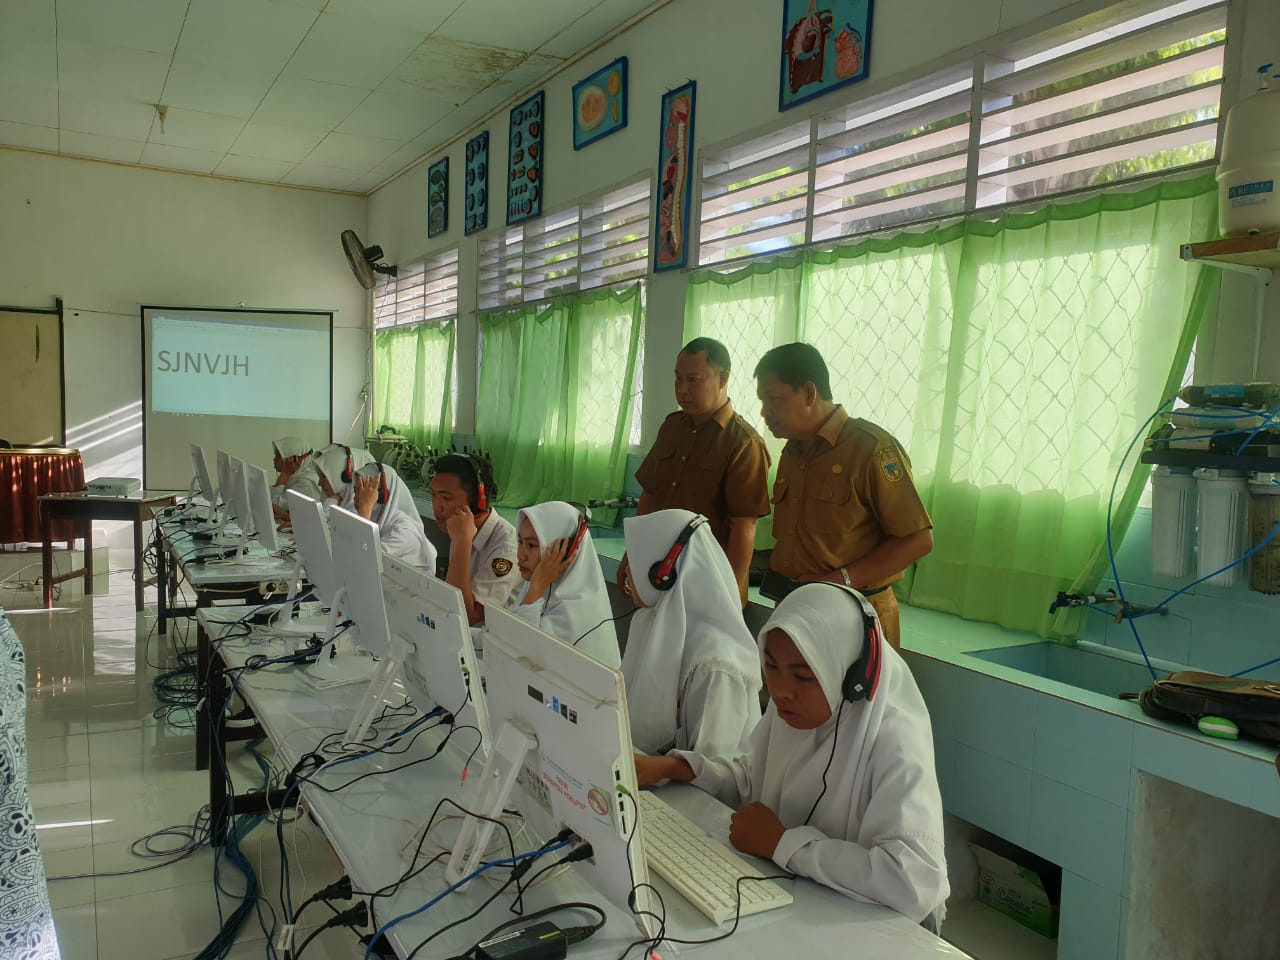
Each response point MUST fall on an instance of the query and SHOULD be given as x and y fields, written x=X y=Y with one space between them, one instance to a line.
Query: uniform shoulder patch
x=501 y=566
x=889 y=460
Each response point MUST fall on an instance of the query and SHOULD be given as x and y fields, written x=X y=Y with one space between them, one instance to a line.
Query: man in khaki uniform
x=708 y=459
x=845 y=507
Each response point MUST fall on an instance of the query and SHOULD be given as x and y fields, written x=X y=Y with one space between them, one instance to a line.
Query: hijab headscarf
x=288 y=447
x=688 y=641
x=578 y=601
x=882 y=786
x=399 y=523
x=332 y=462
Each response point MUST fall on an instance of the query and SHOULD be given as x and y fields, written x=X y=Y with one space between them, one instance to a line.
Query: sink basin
x=1087 y=669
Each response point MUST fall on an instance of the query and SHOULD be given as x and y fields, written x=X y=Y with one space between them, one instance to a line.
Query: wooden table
x=87 y=507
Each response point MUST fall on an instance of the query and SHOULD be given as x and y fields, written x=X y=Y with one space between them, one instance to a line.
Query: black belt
x=775 y=586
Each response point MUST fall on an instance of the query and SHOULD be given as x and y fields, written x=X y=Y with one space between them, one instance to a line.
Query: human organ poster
x=675 y=158
x=825 y=44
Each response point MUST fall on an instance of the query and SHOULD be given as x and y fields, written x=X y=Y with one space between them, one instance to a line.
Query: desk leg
x=214 y=717
x=162 y=590
x=139 y=574
x=88 y=557
x=205 y=694
x=46 y=552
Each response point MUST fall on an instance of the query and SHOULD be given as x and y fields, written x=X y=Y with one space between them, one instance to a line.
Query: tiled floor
x=105 y=772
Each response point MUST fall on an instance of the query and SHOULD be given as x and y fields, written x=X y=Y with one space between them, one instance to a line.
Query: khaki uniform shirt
x=494 y=575
x=839 y=495
x=719 y=469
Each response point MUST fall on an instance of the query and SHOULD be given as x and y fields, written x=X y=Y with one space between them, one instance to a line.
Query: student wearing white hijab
x=288 y=456
x=691 y=665
x=377 y=493
x=321 y=477
x=839 y=783
x=563 y=591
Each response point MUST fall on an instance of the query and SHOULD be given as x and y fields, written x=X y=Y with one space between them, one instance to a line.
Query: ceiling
x=337 y=94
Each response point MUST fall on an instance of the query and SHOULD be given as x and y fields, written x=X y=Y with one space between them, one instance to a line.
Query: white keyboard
x=701 y=868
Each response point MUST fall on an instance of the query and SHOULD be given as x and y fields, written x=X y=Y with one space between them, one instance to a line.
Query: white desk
x=370 y=822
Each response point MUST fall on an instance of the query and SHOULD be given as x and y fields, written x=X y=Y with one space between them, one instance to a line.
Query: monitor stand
x=338 y=662
x=487 y=795
x=285 y=622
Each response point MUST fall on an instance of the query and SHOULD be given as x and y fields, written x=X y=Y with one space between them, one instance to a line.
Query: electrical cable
x=621 y=616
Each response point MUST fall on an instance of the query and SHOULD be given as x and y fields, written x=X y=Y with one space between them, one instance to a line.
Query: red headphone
x=662 y=575
x=349 y=470
x=482 y=498
x=383 y=492
x=863 y=676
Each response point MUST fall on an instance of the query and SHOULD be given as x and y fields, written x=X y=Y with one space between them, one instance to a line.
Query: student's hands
x=624 y=576
x=555 y=561
x=755 y=829
x=461 y=528
x=651 y=770
x=366 y=495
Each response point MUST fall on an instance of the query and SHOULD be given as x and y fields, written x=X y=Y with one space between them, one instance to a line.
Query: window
x=594 y=244
x=426 y=290
x=1121 y=97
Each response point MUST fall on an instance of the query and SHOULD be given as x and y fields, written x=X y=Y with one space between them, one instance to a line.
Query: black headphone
x=349 y=470
x=662 y=575
x=863 y=676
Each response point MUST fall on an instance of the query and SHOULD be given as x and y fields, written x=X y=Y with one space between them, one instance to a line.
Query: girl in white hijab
x=377 y=493
x=320 y=478
x=563 y=591
x=841 y=791
x=692 y=666
x=288 y=456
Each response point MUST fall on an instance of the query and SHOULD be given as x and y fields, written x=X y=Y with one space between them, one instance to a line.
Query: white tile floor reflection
x=105 y=772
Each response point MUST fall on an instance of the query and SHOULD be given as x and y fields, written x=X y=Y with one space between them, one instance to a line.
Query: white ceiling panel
x=101 y=71
x=394 y=117
x=315 y=175
x=137 y=24
x=180 y=158
x=422 y=16
x=308 y=103
x=352 y=153
x=316 y=5
x=269 y=141
x=406 y=155
x=74 y=144
x=351 y=50
x=252 y=168
x=28 y=136
x=364 y=182
x=30 y=60
x=512 y=24
x=216 y=88
x=531 y=71
x=251 y=33
x=197 y=131
x=450 y=70
x=23 y=104
x=584 y=32
x=110 y=118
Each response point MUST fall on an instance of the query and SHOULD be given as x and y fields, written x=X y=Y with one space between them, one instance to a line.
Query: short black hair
x=717 y=353
x=467 y=467
x=796 y=364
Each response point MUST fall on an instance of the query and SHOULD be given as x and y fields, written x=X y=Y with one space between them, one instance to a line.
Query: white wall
x=109 y=238
x=731 y=50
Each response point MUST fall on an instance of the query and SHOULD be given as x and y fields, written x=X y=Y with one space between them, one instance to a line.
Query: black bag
x=1186 y=696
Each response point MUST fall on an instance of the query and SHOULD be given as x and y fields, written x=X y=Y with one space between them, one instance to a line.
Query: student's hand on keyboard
x=755 y=829
x=651 y=770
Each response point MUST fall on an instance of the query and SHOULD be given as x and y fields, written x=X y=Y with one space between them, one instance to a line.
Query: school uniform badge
x=501 y=566
x=890 y=463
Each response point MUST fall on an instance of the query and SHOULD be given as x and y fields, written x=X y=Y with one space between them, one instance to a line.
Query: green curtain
x=1014 y=358
x=555 y=395
x=413 y=382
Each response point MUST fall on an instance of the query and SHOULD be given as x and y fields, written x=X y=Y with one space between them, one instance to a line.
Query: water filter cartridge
x=1222 y=513
x=1173 y=521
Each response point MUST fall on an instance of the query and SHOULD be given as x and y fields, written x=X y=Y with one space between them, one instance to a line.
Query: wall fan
x=364 y=260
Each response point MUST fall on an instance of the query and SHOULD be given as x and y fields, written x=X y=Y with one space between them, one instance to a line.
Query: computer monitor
x=562 y=756
x=204 y=482
x=440 y=668
x=357 y=571
x=227 y=488
x=238 y=498
x=224 y=474
x=264 y=517
x=315 y=564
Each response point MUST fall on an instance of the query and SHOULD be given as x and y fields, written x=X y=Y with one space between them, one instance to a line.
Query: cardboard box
x=1028 y=894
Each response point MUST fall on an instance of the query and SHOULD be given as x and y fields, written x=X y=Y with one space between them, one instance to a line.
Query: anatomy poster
x=825 y=44
x=675 y=159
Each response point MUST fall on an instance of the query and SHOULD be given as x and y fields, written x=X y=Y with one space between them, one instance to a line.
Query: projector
x=113 y=486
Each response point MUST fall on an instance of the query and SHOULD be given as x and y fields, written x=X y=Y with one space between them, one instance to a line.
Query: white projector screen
x=231 y=380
